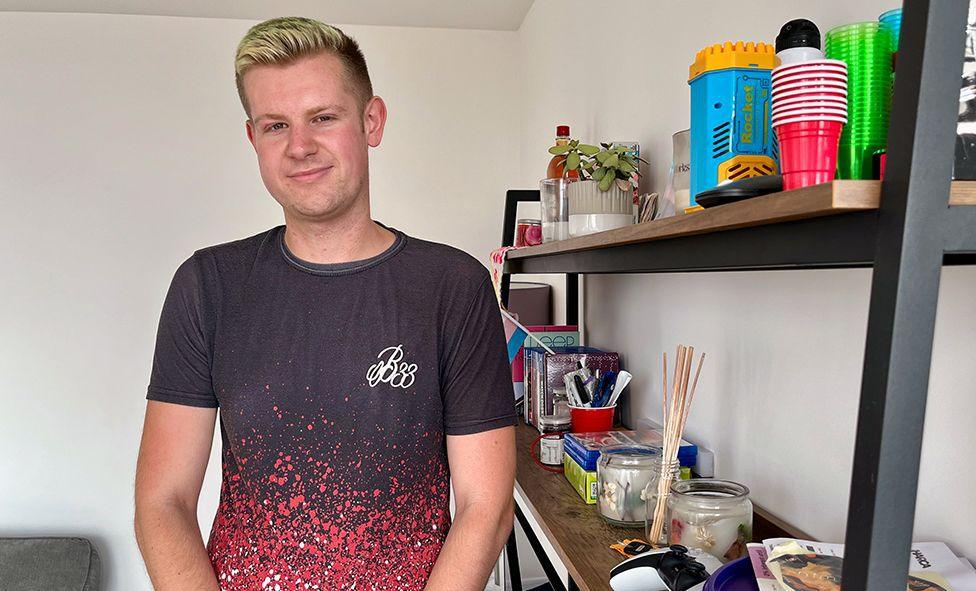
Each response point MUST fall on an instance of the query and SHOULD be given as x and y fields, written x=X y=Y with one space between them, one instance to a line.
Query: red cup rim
x=786 y=120
x=829 y=62
x=803 y=91
x=804 y=84
x=807 y=111
x=591 y=408
x=831 y=92
x=809 y=72
x=818 y=102
x=817 y=122
x=816 y=79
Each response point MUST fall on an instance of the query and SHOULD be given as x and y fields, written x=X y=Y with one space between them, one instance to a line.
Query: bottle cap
x=798 y=33
x=562 y=131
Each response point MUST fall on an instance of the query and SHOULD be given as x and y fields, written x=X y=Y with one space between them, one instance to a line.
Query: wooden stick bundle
x=674 y=413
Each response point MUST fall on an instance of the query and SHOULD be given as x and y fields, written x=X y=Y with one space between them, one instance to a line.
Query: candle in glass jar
x=712 y=515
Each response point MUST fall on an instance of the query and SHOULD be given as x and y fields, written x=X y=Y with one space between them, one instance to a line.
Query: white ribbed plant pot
x=592 y=210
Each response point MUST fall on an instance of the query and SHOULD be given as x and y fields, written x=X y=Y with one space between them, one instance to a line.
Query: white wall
x=778 y=394
x=122 y=151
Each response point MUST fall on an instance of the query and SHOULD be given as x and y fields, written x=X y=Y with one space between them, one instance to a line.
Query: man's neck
x=337 y=241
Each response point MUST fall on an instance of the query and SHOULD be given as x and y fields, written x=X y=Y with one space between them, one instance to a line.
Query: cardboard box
x=582 y=480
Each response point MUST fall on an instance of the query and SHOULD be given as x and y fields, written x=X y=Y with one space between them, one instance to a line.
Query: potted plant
x=603 y=197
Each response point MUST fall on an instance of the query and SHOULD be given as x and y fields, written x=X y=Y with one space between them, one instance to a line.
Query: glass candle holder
x=714 y=516
x=623 y=473
x=554 y=202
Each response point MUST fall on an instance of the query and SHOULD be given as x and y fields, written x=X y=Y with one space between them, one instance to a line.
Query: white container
x=582 y=224
x=592 y=210
x=795 y=55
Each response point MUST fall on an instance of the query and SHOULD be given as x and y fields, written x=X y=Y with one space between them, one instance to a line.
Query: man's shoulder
x=237 y=250
x=442 y=259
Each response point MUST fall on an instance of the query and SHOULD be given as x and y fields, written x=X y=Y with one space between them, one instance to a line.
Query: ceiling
x=499 y=15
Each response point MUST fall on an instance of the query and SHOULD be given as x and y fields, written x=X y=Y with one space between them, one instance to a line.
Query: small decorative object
x=528 y=232
x=712 y=515
x=623 y=474
x=674 y=410
x=604 y=197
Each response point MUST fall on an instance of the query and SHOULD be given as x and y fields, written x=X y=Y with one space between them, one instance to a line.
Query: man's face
x=312 y=136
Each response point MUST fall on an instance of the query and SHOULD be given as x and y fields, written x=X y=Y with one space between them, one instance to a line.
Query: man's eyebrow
x=334 y=108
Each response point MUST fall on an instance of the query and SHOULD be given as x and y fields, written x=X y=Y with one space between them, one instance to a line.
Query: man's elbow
x=506 y=519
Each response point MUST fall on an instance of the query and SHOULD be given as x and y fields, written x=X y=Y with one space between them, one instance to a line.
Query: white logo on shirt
x=391 y=370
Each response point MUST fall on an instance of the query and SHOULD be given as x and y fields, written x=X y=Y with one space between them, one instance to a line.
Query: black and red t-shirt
x=336 y=385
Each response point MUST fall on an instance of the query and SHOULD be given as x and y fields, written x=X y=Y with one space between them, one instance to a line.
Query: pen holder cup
x=590 y=420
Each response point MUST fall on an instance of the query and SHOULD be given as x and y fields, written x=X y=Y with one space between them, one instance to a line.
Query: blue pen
x=608 y=388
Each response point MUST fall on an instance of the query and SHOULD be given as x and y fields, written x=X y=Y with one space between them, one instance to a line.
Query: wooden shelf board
x=580 y=537
x=827 y=199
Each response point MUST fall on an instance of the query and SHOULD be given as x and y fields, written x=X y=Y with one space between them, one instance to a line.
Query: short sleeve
x=477 y=381
x=181 y=361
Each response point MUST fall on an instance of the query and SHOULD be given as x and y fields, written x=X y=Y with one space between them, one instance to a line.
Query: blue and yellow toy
x=731 y=100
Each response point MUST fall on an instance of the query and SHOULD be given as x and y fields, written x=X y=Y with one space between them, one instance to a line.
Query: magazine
x=787 y=564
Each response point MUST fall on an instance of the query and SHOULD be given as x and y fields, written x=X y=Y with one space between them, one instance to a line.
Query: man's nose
x=300 y=143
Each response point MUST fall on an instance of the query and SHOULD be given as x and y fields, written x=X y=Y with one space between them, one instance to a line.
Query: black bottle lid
x=798 y=33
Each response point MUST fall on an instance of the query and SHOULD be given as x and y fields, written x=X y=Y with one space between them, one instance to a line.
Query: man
x=356 y=369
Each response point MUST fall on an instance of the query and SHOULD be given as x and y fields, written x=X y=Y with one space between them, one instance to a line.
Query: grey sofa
x=49 y=564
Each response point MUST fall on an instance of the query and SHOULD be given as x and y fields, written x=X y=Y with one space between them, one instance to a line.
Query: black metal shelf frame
x=906 y=242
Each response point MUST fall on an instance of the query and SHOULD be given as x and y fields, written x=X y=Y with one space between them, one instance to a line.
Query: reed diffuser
x=675 y=404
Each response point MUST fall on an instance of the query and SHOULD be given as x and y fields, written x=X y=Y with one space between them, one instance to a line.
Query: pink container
x=808 y=152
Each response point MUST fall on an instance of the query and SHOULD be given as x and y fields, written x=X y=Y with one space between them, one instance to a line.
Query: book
x=586 y=446
x=788 y=564
x=583 y=481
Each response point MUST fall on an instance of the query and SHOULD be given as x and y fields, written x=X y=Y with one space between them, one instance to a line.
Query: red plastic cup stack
x=809 y=113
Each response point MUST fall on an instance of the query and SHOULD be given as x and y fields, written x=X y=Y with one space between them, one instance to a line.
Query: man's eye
x=273 y=127
x=324 y=117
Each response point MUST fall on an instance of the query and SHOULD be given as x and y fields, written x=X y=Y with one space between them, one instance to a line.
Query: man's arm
x=483 y=477
x=173 y=457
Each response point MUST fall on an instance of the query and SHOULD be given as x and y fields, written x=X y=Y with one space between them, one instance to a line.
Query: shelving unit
x=905 y=228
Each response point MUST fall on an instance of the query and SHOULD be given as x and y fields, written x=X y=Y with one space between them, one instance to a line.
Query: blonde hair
x=281 y=41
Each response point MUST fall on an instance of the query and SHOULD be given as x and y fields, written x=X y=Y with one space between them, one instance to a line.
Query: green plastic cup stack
x=866 y=48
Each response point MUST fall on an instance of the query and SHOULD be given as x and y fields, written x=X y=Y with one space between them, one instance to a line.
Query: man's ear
x=249 y=127
x=374 y=121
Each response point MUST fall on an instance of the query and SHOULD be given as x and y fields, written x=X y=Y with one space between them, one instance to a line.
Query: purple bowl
x=734 y=576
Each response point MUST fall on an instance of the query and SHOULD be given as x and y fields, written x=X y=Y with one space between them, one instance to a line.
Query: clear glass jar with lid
x=623 y=473
x=712 y=515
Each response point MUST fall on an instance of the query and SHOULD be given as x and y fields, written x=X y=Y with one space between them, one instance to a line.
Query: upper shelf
x=829 y=225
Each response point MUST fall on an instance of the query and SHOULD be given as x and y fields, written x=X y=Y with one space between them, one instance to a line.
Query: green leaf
x=605 y=182
x=601 y=157
x=558 y=150
x=588 y=149
x=574 y=143
x=588 y=166
x=598 y=174
x=626 y=166
x=612 y=161
x=572 y=161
